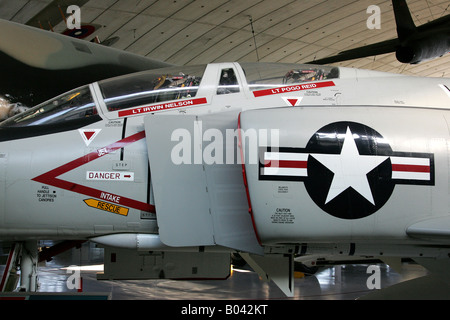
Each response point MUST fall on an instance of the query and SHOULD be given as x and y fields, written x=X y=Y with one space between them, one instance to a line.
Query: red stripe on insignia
x=410 y=168
x=286 y=164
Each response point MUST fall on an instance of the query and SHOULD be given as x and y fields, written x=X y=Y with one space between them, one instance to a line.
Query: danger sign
x=109 y=176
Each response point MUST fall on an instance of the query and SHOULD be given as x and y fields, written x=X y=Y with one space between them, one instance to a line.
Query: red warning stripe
x=50 y=177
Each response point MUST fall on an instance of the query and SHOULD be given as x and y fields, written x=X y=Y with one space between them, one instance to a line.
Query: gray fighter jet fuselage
x=271 y=160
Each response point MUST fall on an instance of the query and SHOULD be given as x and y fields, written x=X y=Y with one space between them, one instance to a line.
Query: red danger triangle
x=88 y=134
x=292 y=101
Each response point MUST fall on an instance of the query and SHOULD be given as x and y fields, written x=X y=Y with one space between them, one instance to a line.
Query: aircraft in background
x=173 y=170
x=413 y=45
x=34 y=74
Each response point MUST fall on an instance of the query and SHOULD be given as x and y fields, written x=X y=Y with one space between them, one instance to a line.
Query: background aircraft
x=413 y=45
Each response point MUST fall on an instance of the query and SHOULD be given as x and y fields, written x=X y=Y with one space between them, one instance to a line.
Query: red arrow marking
x=50 y=177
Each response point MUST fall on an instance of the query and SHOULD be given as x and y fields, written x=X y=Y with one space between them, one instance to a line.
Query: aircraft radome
x=273 y=161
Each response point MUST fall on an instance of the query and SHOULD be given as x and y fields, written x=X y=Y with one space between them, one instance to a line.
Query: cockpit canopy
x=150 y=87
x=77 y=108
x=74 y=105
x=272 y=75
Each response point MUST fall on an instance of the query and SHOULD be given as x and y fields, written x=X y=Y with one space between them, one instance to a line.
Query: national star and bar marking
x=349 y=168
x=292 y=165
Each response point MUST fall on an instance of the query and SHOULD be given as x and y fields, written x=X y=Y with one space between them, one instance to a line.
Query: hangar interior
x=202 y=31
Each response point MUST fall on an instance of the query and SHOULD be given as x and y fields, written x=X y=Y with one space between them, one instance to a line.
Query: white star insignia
x=350 y=169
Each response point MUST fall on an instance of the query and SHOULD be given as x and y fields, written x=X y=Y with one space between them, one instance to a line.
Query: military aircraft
x=174 y=169
x=413 y=44
x=45 y=69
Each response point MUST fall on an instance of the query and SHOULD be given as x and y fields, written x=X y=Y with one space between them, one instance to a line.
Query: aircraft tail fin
x=403 y=19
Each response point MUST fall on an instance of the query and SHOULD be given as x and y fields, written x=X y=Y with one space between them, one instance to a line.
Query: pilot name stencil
x=299 y=87
x=162 y=107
